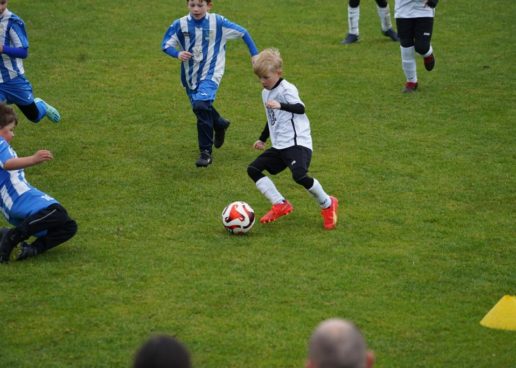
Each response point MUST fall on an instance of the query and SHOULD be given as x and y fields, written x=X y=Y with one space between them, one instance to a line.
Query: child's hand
x=273 y=104
x=259 y=145
x=185 y=55
x=42 y=155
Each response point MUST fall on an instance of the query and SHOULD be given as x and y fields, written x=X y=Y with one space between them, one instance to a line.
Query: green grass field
x=425 y=244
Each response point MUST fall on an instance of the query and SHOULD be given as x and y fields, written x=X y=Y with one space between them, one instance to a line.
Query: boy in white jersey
x=415 y=22
x=382 y=8
x=198 y=40
x=32 y=212
x=289 y=129
x=14 y=87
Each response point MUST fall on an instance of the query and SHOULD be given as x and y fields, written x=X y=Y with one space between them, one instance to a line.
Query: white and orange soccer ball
x=238 y=217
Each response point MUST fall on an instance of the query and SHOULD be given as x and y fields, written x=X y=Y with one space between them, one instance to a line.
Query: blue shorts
x=206 y=91
x=17 y=91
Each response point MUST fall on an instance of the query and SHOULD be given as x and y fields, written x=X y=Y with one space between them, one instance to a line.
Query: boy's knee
x=422 y=47
x=201 y=106
x=254 y=173
x=301 y=177
x=71 y=227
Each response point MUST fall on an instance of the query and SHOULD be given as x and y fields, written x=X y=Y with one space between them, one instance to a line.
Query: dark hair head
x=162 y=351
x=7 y=115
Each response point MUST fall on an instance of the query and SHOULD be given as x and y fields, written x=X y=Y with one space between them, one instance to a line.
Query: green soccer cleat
x=23 y=251
x=52 y=113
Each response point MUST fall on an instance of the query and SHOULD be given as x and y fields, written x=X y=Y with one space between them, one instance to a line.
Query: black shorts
x=296 y=158
x=415 y=32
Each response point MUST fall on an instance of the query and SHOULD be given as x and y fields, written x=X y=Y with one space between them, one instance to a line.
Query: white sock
x=408 y=63
x=430 y=52
x=320 y=195
x=268 y=189
x=385 y=17
x=353 y=18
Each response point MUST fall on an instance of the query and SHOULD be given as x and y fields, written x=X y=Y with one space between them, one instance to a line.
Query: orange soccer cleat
x=277 y=210
x=330 y=214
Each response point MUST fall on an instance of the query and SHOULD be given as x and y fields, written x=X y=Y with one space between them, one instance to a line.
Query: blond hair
x=268 y=60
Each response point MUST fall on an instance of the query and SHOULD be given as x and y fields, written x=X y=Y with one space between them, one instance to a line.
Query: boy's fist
x=259 y=145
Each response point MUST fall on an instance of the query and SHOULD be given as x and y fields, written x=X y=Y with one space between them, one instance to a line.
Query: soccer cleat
x=429 y=62
x=350 y=38
x=330 y=214
x=23 y=251
x=220 y=134
x=52 y=113
x=277 y=210
x=5 y=245
x=204 y=159
x=391 y=34
x=409 y=87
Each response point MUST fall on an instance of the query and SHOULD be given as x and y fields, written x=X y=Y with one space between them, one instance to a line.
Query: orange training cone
x=503 y=315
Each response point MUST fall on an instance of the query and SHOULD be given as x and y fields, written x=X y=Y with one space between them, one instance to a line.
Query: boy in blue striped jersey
x=32 y=212
x=198 y=40
x=14 y=87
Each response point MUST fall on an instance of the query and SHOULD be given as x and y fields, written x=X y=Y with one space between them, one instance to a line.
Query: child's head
x=198 y=8
x=8 y=121
x=268 y=66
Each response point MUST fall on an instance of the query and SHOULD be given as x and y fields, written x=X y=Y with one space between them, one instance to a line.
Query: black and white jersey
x=412 y=9
x=286 y=129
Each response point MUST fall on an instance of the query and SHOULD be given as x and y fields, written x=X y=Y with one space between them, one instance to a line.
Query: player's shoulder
x=219 y=18
x=13 y=18
x=288 y=85
x=184 y=18
x=5 y=149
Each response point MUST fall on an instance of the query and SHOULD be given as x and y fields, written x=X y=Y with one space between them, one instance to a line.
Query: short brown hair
x=269 y=60
x=7 y=115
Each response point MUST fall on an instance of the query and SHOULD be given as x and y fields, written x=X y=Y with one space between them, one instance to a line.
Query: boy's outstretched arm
x=17 y=163
x=250 y=44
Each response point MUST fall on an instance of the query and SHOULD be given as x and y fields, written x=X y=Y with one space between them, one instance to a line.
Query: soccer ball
x=238 y=217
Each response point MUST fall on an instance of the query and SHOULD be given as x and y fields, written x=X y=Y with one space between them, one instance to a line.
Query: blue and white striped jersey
x=12 y=34
x=206 y=40
x=18 y=199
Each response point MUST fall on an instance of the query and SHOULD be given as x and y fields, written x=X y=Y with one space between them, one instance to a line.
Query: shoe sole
x=199 y=165
x=15 y=253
